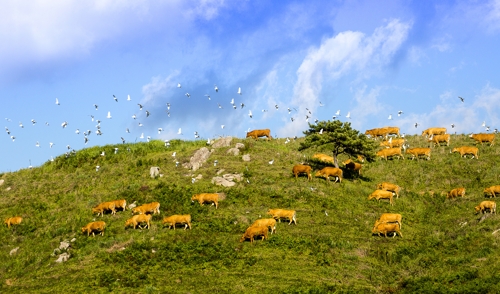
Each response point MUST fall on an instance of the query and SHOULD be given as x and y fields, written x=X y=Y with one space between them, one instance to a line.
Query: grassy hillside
x=445 y=246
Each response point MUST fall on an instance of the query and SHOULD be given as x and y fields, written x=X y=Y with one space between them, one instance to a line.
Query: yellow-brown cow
x=153 y=207
x=300 y=168
x=385 y=228
x=323 y=157
x=393 y=143
x=283 y=213
x=434 y=131
x=464 y=150
x=15 y=220
x=457 y=192
x=93 y=227
x=417 y=152
x=438 y=139
x=252 y=232
x=493 y=190
x=122 y=204
x=104 y=206
x=139 y=219
x=480 y=138
x=328 y=172
x=207 y=198
x=178 y=219
x=266 y=222
x=384 y=153
x=260 y=133
x=386 y=186
x=486 y=205
x=353 y=165
x=381 y=194
x=389 y=218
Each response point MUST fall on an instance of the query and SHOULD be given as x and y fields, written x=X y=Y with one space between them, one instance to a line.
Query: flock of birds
x=98 y=131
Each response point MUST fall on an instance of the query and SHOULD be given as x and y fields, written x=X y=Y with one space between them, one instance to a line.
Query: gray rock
x=8 y=189
x=1 y=181
x=73 y=240
x=197 y=160
x=233 y=151
x=240 y=145
x=220 y=181
x=64 y=245
x=14 y=251
x=63 y=257
x=223 y=142
x=246 y=157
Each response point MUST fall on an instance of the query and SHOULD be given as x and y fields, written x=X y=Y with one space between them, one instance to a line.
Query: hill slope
x=445 y=246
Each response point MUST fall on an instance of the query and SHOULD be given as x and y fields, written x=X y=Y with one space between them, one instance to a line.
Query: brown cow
x=178 y=219
x=260 y=133
x=353 y=165
x=122 y=204
x=438 y=139
x=389 y=218
x=138 y=219
x=417 y=152
x=15 y=220
x=480 y=138
x=252 y=232
x=153 y=207
x=391 y=131
x=323 y=157
x=393 y=143
x=384 y=153
x=266 y=222
x=381 y=194
x=486 y=205
x=385 y=228
x=300 y=168
x=207 y=197
x=386 y=186
x=375 y=133
x=464 y=150
x=493 y=190
x=93 y=227
x=328 y=172
x=434 y=131
x=455 y=193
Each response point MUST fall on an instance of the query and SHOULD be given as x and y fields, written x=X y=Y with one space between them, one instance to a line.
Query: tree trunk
x=335 y=160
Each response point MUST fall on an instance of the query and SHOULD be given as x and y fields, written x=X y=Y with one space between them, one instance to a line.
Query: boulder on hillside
x=227 y=180
x=233 y=151
x=1 y=181
x=223 y=142
x=63 y=257
x=246 y=157
x=240 y=145
x=197 y=160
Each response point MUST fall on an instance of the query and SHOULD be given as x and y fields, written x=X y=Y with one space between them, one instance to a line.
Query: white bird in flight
x=21 y=125
x=390 y=116
x=128 y=98
x=51 y=144
x=64 y=124
x=216 y=88
x=179 y=85
x=206 y=95
x=337 y=113
x=348 y=115
x=250 y=113
x=188 y=95
x=114 y=97
x=400 y=112
x=160 y=130
x=239 y=90
x=109 y=114
x=57 y=102
x=179 y=132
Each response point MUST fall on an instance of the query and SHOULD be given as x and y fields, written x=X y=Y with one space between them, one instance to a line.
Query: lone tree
x=340 y=138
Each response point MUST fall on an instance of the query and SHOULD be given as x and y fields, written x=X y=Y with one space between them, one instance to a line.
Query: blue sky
x=360 y=57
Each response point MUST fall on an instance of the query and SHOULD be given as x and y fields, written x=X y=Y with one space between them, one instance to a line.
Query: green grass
x=445 y=248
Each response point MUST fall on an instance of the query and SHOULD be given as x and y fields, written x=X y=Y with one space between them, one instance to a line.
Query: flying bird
x=140 y=124
x=123 y=140
x=292 y=119
x=289 y=110
x=37 y=144
x=276 y=106
x=484 y=124
x=390 y=116
x=57 y=102
x=242 y=105
x=400 y=112
x=250 y=113
x=134 y=116
x=208 y=96
x=168 y=106
x=13 y=138
x=220 y=106
x=188 y=95
x=239 y=90
x=142 y=136
x=147 y=113
x=222 y=126
x=51 y=144
x=216 y=88
x=179 y=132
x=337 y=113
x=33 y=121
x=348 y=115
x=321 y=104
x=179 y=85
x=452 y=126
x=64 y=124
x=232 y=101
x=416 y=125
x=128 y=98
x=127 y=130
x=140 y=106
x=461 y=99
x=77 y=131
x=21 y=124
x=109 y=114
x=114 y=97
x=160 y=130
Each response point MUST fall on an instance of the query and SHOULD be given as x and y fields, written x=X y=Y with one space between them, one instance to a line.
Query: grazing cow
x=139 y=219
x=153 y=207
x=122 y=204
x=93 y=227
x=353 y=165
x=480 y=138
x=260 y=133
x=207 y=197
x=283 y=213
x=266 y=222
x=375 y=133
x=416 y=152
x=438 y=139
x=381 y=194
x=464 y=150
x=455 y=193
x=252 y=232
x=434 y=131
x=386 y=186
x=323 y=157
x=104 y=207
x=389 y=218
x=384 y=153
x=493 y=190
x=384 y=228
x=391 y=131
x=15 y=220
x=178 y=219
x=300 y=168
x=393 y=143
x=328 y=172
x=486 y=205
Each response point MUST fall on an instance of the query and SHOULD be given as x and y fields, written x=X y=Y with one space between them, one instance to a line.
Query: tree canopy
x=340 y=138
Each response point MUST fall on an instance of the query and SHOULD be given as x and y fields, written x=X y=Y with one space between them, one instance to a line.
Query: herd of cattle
x=388 y=223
